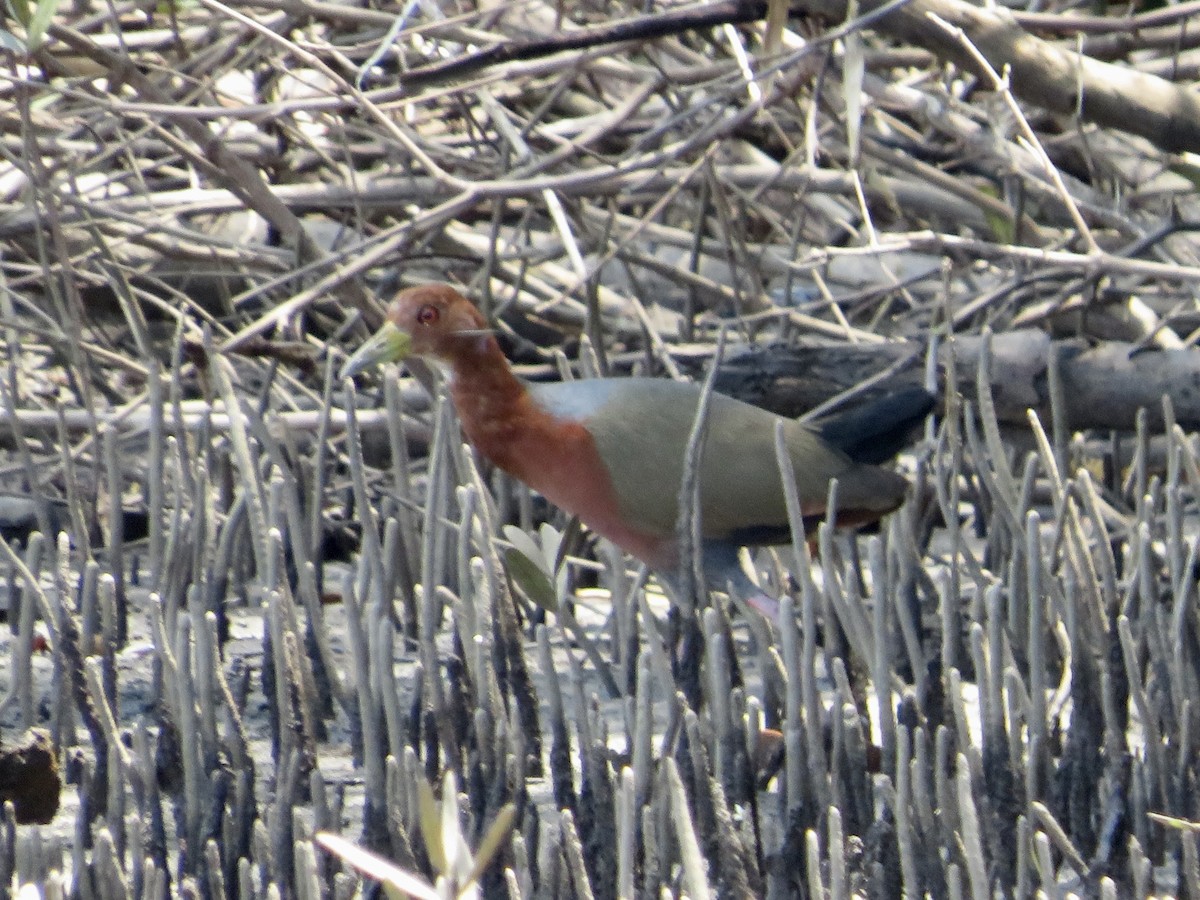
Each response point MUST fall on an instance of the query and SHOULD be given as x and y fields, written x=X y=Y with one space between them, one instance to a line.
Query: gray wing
x=641 y=428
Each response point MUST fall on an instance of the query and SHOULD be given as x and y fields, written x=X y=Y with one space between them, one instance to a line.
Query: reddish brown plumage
x=556 y=457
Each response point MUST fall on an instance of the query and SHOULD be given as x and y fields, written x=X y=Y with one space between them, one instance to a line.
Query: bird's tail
x=875 y=431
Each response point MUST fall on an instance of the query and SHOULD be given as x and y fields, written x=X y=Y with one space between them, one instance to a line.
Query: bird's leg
x=686 y=636
x=723 y=571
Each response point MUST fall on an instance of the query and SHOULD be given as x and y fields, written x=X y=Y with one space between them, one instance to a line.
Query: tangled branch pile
x=199 y=204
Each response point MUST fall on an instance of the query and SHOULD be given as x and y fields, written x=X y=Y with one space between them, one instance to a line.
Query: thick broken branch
x=1104 y=385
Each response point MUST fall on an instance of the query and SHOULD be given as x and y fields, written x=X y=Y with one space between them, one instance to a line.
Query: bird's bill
x=388 y=344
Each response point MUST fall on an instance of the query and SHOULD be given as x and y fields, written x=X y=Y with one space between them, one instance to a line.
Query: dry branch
x=1055 y=79
x=1058 y=80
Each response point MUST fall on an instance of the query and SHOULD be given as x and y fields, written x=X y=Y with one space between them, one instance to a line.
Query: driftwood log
x=1104 y=385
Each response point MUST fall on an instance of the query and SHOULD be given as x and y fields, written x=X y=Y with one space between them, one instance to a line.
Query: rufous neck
x=482 y=383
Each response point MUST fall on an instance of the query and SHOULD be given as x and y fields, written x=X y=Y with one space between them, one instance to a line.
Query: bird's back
x=640 y=427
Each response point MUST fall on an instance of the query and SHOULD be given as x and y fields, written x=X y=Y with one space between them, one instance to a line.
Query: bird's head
x=432 y=321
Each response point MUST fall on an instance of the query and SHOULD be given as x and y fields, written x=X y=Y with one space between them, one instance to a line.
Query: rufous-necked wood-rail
x=612 y=450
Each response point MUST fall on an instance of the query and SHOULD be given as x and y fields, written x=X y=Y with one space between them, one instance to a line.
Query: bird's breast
x=559 y=459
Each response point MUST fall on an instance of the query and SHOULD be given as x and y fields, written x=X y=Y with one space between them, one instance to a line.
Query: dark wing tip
x=877 y=430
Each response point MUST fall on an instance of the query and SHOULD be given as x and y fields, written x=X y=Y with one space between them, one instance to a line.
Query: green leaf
x=397 y=882
x=1004 y=228
x=554 y=557
x=571 y=536
x=523 y=543
x=497 y=834
x=431 y=825
x=43 y=12
x=20 y=11
x=526 y=566
x=454 y=842
x=530 y=578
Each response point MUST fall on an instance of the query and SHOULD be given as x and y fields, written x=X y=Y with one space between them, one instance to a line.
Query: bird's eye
x=428 y=315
